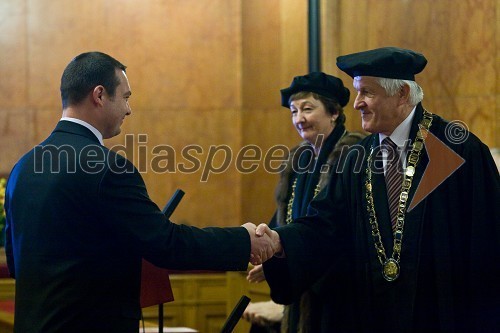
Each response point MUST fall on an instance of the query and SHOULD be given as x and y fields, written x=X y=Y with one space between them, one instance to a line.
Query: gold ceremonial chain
x=289 y=218
x=390 y=267
x=317 y=189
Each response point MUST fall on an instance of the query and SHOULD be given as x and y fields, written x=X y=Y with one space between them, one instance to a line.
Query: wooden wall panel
x=261 y=46
x=458 y=38
x=294 y=43
x=211 y=198
x=16 y=125
x=13 y=64
x=209 y=73
x=332 y=32
x=496 y=103
x=177 y=50
x=271 y=127
x=274 y=39
x=186 y=91
x=16 y=128
x=184 y=67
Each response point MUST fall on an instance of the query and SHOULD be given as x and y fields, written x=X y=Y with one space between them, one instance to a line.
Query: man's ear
x=404 y=93
x=97 y=95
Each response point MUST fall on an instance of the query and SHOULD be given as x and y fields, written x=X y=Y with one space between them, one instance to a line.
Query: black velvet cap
x=386 y=62
x=319 y=83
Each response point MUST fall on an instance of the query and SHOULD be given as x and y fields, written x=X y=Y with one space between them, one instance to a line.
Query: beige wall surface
x=207 y=73
x=460 y=40
x=184 y=67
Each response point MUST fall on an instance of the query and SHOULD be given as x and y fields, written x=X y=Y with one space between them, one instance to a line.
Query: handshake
x=265 y=242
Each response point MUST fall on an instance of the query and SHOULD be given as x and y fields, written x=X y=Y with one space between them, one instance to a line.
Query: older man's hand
x=263 y=229
x=263 y=246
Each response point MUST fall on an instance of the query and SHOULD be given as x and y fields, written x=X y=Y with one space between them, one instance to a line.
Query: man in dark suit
x=430 y=265
x=79 y=218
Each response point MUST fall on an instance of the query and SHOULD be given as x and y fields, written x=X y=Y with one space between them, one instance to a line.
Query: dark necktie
x=393 y=178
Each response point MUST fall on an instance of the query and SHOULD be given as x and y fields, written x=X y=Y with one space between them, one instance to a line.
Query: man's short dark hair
x=85 y=72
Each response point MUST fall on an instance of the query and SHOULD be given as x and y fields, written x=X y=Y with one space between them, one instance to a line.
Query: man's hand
x=263 y=229
x=256 y=274
x=263 y=247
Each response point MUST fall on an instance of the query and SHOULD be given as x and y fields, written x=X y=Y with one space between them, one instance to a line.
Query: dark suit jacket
x=79 y=220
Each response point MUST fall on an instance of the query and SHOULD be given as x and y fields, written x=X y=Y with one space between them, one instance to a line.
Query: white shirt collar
x=86 y=124
x=402 y=132
x=399 y=136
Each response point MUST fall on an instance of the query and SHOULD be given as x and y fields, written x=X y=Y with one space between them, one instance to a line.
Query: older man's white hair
x=392 y=87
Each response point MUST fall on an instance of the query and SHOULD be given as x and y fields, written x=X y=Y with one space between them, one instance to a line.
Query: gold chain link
x=413 y=159
x=289 y=218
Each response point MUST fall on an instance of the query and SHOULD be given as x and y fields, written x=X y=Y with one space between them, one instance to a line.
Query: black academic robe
x=79 y=221
x=313 y=307
x=450 y=256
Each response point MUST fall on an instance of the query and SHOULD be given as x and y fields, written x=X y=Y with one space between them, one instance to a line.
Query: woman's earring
x=332 y=121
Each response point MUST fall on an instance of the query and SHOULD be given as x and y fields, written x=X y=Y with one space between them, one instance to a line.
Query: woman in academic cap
x=316 y=104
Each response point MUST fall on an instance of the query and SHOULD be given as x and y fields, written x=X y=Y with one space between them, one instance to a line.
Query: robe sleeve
x=312 y=244
x=482 y=192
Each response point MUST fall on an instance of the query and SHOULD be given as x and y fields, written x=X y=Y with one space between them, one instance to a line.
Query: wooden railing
x=203 y=301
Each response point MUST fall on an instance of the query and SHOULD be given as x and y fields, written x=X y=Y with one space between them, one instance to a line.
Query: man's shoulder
x=455 y=134
x=362 y=146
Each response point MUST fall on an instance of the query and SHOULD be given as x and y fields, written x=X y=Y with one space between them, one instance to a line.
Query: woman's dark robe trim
x=283 y=194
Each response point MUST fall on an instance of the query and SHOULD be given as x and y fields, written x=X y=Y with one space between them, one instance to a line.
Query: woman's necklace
x=289 y=218
x=390 y=266
x=317 y=189
x=289 y=209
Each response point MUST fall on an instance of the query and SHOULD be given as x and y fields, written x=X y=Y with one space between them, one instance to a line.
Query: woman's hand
x=256 y=274
x=263 y=313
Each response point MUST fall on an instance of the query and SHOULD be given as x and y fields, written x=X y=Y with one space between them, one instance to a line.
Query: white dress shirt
x=400 y=136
